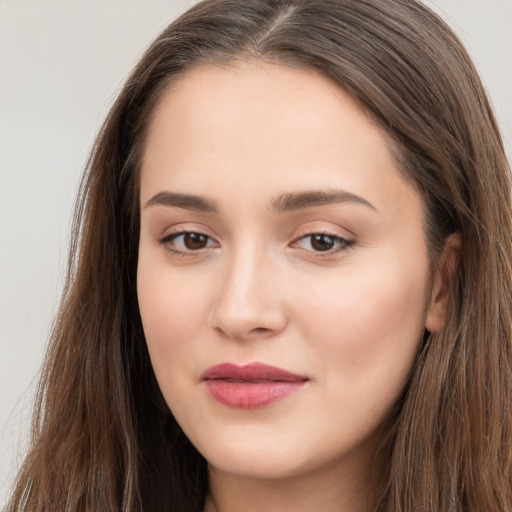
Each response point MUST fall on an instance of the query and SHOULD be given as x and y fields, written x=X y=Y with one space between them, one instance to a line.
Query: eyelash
x=166 y=242
x=344 y=244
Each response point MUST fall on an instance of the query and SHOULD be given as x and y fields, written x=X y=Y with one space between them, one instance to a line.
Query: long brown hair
x=103 y=438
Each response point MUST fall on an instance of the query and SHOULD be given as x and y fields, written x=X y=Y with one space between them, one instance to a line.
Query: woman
x=290 y=283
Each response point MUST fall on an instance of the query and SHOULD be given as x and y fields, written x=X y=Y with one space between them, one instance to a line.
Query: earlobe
x=446 y=269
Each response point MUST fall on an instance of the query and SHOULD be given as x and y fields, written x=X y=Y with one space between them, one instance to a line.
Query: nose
x=249 y=303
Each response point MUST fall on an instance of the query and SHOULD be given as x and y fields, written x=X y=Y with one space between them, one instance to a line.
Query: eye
x=323 y=242
x=187 y=241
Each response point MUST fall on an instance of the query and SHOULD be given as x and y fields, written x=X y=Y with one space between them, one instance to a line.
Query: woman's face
x=279 y=241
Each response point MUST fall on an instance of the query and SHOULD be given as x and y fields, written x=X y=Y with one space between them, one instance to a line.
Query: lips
x=251 y=386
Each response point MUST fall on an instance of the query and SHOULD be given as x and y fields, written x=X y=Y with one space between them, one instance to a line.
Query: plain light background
x=61 y=65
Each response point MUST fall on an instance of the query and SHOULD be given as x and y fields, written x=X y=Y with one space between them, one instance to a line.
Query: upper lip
x=252 y=372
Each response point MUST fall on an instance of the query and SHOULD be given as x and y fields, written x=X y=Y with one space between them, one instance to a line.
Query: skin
x=350 y=319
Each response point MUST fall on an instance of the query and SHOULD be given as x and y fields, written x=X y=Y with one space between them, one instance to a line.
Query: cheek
x=368 y=326
x=172 y=309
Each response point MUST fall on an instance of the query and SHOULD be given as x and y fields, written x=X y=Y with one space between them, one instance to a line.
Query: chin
x=252 y=455
x=257 y=464
x=265 y=456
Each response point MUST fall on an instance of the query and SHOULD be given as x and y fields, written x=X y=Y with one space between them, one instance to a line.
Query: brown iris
x=321 y=242
x=195 y=241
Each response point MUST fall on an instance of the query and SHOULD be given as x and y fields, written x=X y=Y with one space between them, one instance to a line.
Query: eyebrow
x=185 y=201
x=288 y=201
x=301 y=200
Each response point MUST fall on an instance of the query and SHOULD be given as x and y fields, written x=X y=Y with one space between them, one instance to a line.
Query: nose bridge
x=248 y=302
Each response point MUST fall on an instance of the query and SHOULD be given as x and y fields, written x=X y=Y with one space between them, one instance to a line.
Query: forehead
x=267 y=129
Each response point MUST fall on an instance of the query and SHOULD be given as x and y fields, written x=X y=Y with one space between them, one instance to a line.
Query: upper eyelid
x=181 y=229
x=327 y=233
x=300 y=233
x=331 y=231
x=173 y=235
x=347 y=240
x=167 y=240
x=305 y=229
x=305 y=233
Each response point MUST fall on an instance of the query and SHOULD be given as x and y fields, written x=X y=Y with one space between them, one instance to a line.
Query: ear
x=446 y=267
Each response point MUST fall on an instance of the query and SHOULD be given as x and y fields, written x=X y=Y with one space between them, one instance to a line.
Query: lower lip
x=251 y=395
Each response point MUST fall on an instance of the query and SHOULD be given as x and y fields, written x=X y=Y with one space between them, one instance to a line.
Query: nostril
x=259 y=330
x=236 y=332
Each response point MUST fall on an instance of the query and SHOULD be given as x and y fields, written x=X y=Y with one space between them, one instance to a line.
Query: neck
x=328 y=491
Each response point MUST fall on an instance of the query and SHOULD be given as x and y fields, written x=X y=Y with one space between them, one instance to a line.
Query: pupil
x=195 y=241
x=322 y=242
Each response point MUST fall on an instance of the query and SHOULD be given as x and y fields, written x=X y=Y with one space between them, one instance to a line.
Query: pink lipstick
x=250 y=386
